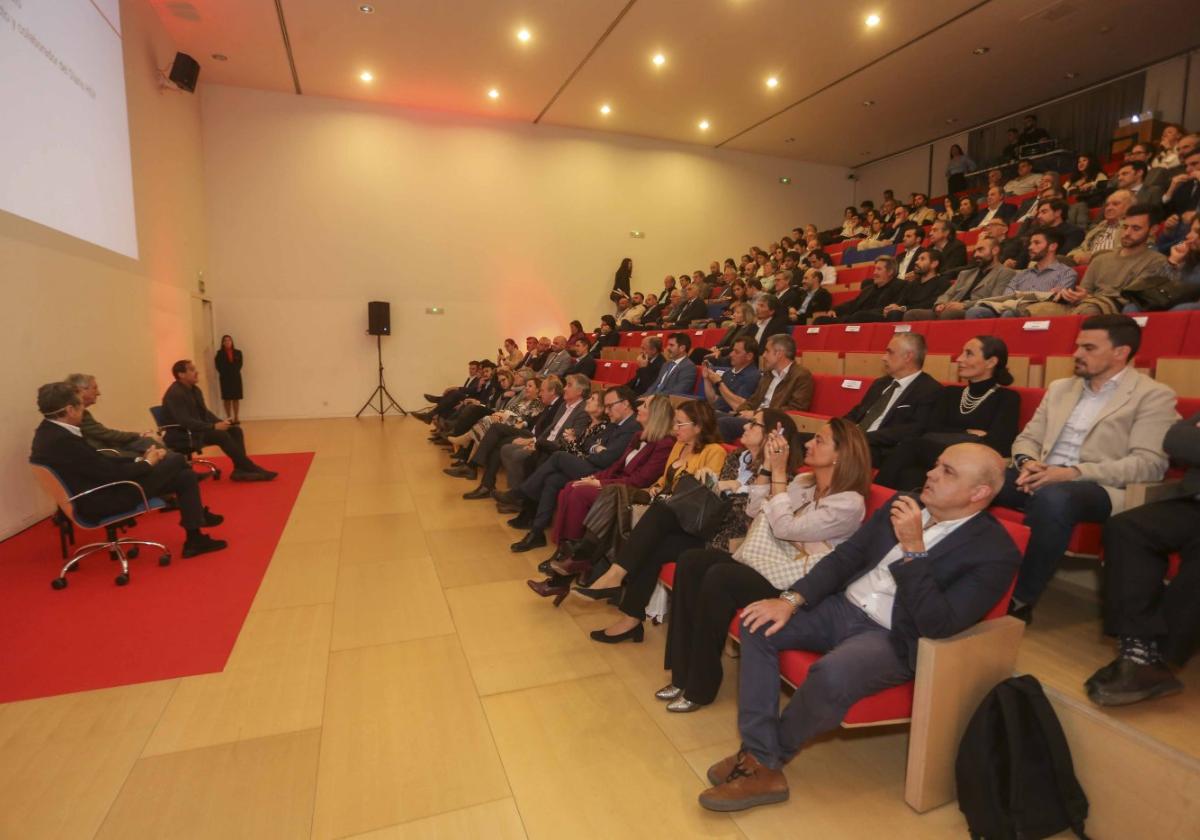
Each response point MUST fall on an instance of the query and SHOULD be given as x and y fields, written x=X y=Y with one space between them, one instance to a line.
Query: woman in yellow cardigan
x=658 y=537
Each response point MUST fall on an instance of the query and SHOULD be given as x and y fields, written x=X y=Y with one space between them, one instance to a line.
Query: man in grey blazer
x=678 y=373
x=984 y=277
x=558 y=360
x=1092 y=436
x=517 y=457
x=1156 y=625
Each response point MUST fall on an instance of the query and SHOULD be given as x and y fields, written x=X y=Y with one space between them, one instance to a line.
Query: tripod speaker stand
x=379 y=324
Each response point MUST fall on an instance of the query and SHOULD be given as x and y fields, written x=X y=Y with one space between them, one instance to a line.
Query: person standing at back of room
x=229 y=373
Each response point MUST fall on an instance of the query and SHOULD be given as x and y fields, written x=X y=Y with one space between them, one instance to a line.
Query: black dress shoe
x=267 y=475
x=534 y=539
x=520 y=522
x=423 y=416
x=202 y=544
x=465 y=471
x=248 y=475
x=1023 y=612
x=637 y=634
x=1130 y=683
x=212 y=520
x=431 y=398
x=501 y=507
x=509 y=497
x=479 y=492
x=606 y=594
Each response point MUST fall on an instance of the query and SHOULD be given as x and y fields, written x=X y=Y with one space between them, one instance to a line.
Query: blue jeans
x=981 y=312
x=1051 y=514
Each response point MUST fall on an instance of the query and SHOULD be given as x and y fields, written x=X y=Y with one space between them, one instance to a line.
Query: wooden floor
x=396 y=679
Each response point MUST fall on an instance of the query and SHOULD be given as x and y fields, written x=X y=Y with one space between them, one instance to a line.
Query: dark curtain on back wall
x=1084 y=123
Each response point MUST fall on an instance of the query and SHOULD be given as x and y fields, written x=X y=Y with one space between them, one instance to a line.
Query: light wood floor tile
x=394 y=536
x=299 y=574
x=490 y=821
x=324 y=465
x=330 y=489
x=404 y=738
x=372 y=499
x=64 y=759
x=479 y=554
x=640 y=668
x=392 y=601
x=513 y=639
x=274 y=682
x=585 y=760
x=313 y=521
x=257 y=789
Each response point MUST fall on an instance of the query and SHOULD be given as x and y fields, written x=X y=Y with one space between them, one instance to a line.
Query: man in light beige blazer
x=1092 y=435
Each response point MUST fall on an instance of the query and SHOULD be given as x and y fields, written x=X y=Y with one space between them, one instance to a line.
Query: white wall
x=316 y=206
x=904 y=173
x=72 y=307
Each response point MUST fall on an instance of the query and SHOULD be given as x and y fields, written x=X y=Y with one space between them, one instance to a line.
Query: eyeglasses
x=614 y=403
x=755 y=424
x=686 y=423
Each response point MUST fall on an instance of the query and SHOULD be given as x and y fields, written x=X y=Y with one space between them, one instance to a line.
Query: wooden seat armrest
x=1146 y=492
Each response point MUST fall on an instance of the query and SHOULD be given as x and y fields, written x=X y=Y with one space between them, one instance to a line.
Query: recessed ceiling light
x=785 y=180
x=604 y=109
x=872 y=20
x=772 y=82
x=704 y=125
x=493 y=94
x=867 y=103
x=981 y=50
x=219 y=57
x=523 y=35
x=1071 y=75
x=659 y=59
x=366 y=9
x=366 y=76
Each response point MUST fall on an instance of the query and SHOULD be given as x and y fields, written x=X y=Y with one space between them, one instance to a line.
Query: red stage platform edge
x=168 y=622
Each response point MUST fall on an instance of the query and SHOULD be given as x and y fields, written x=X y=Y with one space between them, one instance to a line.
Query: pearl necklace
x=968 y=403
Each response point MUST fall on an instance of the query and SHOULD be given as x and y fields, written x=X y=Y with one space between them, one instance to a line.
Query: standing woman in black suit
x=621 y=279
x=983 y=411
x=229 y=372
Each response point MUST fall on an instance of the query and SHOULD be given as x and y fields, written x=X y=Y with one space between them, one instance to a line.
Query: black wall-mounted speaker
x=379 y=317
x=184 y=72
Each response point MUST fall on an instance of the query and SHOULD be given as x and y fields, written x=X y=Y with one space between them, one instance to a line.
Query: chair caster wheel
x=132 y=552
x=58 y=583
x=164 y=559
x=121 y=580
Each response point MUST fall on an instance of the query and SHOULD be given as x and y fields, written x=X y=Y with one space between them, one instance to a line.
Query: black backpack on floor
x=1014 y=774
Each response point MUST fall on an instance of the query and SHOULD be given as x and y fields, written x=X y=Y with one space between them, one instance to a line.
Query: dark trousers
x=1136 y=601
x=656 y=540
x=233 y=444
x=466 y=417
x=551 y=476
x=710 y=587
x=448 y=401
x=487 y=454
x=1051 y=514
x=905 y=466
x=173 y=475
x=858 y=660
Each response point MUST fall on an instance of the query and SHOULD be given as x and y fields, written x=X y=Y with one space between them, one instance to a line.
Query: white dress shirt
x=75 y=430
x=987 y=217
x=901 y=384
x=828 y=275
x=1065 y=452
x=875 y=592
x=776 y=378
x=562 y=421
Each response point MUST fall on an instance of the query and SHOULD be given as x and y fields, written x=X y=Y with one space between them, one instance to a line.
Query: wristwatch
x=792 y=597
x=1019 y=460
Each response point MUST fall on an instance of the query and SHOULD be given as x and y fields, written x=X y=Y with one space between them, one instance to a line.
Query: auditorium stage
x=395 y=678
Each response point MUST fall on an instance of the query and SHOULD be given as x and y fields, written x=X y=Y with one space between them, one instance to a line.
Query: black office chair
x=181 y=440
x=121 y=548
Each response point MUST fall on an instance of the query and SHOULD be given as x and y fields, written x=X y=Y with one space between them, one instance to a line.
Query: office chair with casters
x=120 y=548
x=189 y=449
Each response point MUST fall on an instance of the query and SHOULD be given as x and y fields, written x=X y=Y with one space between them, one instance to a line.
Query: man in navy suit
x=537 y=497
x=908 y=572
x=678 y=372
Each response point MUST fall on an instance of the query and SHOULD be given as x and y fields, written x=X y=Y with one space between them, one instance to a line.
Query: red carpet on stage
x=167 y=622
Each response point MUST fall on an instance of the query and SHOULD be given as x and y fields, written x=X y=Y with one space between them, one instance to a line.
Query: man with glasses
x=786 y=385
x=537 y=496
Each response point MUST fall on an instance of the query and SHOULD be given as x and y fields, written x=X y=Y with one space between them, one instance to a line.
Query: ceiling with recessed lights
x=779 y=77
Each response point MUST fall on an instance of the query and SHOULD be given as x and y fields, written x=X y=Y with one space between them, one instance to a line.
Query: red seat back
x=1163 y=334
x=1031 y=398
x=833 y=396
x=1026 y=337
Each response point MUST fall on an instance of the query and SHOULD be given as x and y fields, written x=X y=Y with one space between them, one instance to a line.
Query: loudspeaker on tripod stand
x=379 y=317
x=379 y=324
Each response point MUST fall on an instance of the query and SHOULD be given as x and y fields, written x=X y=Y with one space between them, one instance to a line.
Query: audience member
x=908 y=572
x=985 y=411
x=678 y=372
x=820 y=261
x=942 y=238
x=558 y=360
x=813 y=298
x=519 y=409
x=58 y=444
x=1168 y=154
x=1105 y=235
x=996 y=207
x=921 y=213
x=195 y=426
x=582 y=361
x=727 y=389
x=1013 y=253
x=807 y=518
x=1032 y=132
x=906 y=259
x=96 y=434
x=1156 y=625
x=957 y=169
x=649 y=362
x=786 y=385
x=1012 y=148
x=1026 y=180
x=882 y=289
x=769 y=318
x=921 y=292
x=1044 y=279
x=984 y=278
x=1092 y=435
x=487 y=452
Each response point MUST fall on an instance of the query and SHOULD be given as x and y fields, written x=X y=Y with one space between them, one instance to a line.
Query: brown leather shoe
x=571 y=566
x=719 y=772
x=750 y=784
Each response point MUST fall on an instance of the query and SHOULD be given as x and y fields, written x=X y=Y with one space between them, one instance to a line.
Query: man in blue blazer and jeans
x=908 y=572
x=678 y=373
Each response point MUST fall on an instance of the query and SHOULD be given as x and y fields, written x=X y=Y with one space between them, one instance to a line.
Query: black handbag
x=1156 y=293
x=699 y=510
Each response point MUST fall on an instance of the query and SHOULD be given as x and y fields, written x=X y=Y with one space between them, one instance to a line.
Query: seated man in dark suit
x=876 y=293
x=786 y=385
x=58 y=444
x=995 y=208
x=453 y=396
x=184 y=405
x=538 y=495
x=523 y=455
x=1156 y=625
x=99 y=436
x=813 y=298
x=694 y=308
x=922 y=292
x=899 y=404
x=487 y=453
x=788 y=295
x=678 y=373
x=908 y=572
x=649 y=363
x=584 y=363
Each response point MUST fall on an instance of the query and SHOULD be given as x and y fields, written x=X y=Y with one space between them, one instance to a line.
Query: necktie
x=877 y=407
